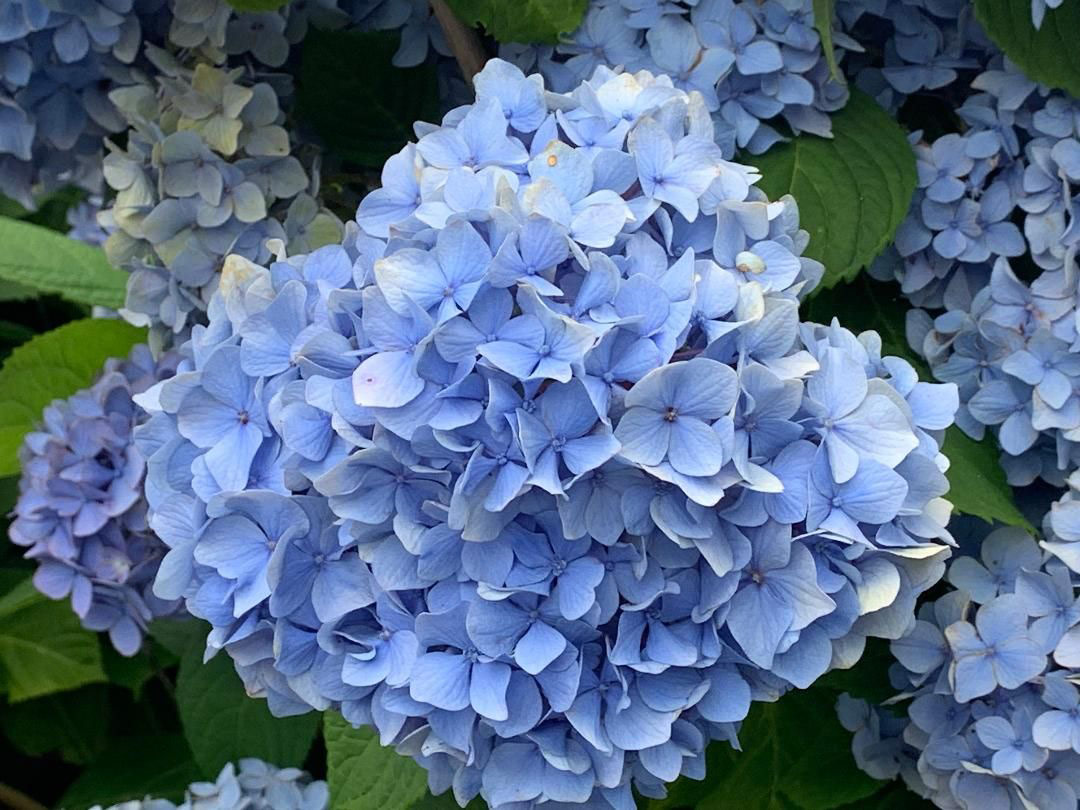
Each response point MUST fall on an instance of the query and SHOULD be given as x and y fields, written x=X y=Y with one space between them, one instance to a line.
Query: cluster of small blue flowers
x=538 y=473
x=991 y=673
x=81 y=512
x=55 y=58
x=206 y=171
x=1007 y=343
x=257 y=786
x=751 y=61
x=908 y=46
x=60 y=60
x=1001 y=190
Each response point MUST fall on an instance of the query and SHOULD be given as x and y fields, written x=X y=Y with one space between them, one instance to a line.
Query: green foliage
x=74 y=723
x=977 y=484
x=257 y=5
x=132 y=768
x=43 y=649
x=1048 y=55
x=34 y=256
x=54 y=365
x=131 y=672
x=853 y=190
x=365 y=776
x=796 y=756
x=350 y=68
x=522 y=20
x=222 y=723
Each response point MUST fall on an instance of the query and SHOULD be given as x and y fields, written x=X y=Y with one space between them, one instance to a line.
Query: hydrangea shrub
x=534 y=471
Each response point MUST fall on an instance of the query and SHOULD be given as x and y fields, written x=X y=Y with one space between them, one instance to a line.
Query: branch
x=464 y=41
x=17 y=800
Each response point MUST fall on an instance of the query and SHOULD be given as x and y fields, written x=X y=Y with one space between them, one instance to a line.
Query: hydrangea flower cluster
x=1002 y=191
x=753 y=62
x=991 y=673
x=81 y=512
x=909 y=46
x=545 y=432
x=54 y=59
x=60 y=61
x=257 y=785
x=206 y=172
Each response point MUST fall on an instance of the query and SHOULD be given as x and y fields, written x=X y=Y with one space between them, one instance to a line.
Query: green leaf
x=132 y=768
x=129 y=671
x=363 y=775
x=796 y=756
x=1048 y=55
x=74 y=723
x=51 y=366
x=43 y=649
x=853 y=190
x=257 y=6
x=51 y=262
x=977 y=484
x=222 y=723
x=522 y=20
x=352 y=67
x=823 y=17
x=176 y=635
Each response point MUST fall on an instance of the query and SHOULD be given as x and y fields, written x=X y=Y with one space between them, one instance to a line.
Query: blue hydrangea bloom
x=61 y=62
x=987 y=710
x=519 y=474
x=751 y=62
x=81 y=513
x=251 y=784
x=998 y=194
x=218 y=180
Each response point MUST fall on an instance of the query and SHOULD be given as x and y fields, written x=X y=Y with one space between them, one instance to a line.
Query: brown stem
x=464 y=41
x=17 y=800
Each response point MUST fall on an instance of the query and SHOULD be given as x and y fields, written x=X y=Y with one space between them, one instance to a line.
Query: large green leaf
x=75 y=723
x=49 y=261
x=853 y=189
x=43 y=649
x=977 y=484
x=52 y=366
x=133 y=768
x=1048 y=55
x=365 y=776
x=222 y=723
x=361 y=107
x=796 y=756
x=522 y=20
